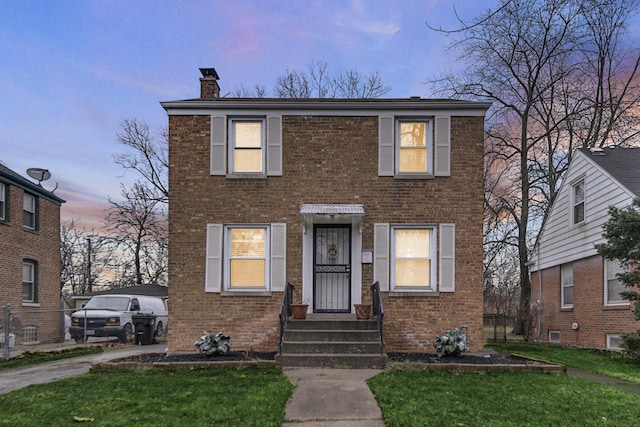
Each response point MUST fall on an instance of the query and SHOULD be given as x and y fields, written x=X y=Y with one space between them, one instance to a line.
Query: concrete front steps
x=330 y=341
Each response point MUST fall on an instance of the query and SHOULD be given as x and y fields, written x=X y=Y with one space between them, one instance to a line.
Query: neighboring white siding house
x=562 y=240
x=569 y=279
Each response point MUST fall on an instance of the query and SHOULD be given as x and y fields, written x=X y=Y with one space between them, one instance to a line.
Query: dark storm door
x=332 y=269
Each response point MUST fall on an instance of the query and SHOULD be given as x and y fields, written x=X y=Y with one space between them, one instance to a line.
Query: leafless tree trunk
x=138 y=224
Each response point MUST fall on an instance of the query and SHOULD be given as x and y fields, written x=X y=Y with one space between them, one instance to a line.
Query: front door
x=332 y=269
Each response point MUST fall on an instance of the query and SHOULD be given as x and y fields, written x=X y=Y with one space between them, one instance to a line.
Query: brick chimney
x=209 y=87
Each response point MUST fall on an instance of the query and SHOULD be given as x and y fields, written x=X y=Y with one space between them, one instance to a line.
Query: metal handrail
x=378 y=311
x=285 y=312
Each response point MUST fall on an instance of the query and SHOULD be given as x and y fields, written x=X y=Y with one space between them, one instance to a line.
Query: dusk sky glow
x=71 y=71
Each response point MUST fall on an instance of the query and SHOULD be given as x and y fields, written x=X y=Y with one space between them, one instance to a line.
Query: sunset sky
x=71 y=71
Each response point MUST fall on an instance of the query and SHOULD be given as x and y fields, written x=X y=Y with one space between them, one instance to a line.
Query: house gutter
x=469 y=108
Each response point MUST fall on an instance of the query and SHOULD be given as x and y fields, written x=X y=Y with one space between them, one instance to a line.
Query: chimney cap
x=209 y=72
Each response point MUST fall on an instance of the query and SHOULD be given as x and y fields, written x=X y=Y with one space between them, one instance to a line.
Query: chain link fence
x=497 y=327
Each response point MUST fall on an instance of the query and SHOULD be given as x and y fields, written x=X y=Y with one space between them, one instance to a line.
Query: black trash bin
x=145 y=326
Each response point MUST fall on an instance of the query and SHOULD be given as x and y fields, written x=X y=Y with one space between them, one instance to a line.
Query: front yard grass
x=610 y=363
x=250 y=396
x=30 y=358
x=434 y=398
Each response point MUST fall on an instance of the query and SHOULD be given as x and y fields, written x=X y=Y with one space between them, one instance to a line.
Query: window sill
x=30 y=230
x=30 y=304
x=414 y=176
x=246 y=176
x=620 y=306
x=416 y=293
x=229 y=293
x=567 y=309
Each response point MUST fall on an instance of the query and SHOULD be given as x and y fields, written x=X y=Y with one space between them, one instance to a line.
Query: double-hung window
x=247 y=138
x=577 y=203
x=613 y=285
x=414 y=150
x=246 y=147
x=3 y=201
x=246 y=257
x=29 y=281
x=30 y=211
x=413 y=254
x=566 y=277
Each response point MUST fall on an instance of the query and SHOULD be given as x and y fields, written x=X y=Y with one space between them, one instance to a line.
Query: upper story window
x=247 y=139
x=30 y=211
x=246 y=147
x=414 y=148
x=613 y=285
x=29 y=281
x=577 y=202
x=566 y=277
x=3 y=201
x=414 y=151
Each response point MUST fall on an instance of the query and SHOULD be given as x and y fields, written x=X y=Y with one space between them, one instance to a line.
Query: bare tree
x=559 y=77
x=85 y=257
x=317 y=83
x=148 y=157
x=138 y=225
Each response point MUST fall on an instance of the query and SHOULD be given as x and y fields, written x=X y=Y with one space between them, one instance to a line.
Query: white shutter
x=274 y=146
x=443 y=147
x=381 y=255
x=278 y=257
x=213 y=268
x=386 y=151
x=447 y=257
x=218 y=145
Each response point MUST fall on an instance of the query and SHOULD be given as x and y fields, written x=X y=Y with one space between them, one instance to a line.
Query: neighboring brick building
x=30 y=258
x=330 y=195
x=578 y=289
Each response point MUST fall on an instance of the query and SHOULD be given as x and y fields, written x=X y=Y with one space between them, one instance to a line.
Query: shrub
x=631 y=345
x=213 y=345
x=451 y=343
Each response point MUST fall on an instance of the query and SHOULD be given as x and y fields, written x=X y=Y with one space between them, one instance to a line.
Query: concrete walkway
x=602 y=379
x=11 y=379
x=331 y=398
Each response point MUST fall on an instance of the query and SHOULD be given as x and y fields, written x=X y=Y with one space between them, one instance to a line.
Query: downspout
x=539 y=296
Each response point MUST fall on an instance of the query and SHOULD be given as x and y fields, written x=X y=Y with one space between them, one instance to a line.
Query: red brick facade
x=41 y=246
x=593 y=318
x=327 y=159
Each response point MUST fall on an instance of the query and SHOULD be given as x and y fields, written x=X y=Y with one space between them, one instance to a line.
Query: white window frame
x=558 y=340
x=227 y=258
x=232 y=145
x=429 y=146
x=3 y=201
x=433 y=265
x=33 y=211
x=607 y=277
x=575 y=203
x=564 y=269
x=610 y=346
x=32 y=281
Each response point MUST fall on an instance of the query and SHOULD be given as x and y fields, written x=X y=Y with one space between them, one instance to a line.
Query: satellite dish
x=39 y=174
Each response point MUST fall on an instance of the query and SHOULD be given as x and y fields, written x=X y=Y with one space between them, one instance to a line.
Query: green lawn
x=609 y=363
x=196 y=397
x=30 y=358
x=433 y=398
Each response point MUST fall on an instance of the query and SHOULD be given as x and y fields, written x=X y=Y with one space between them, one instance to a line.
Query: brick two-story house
x=330 y=195
x=577 y=289
x=30 y=259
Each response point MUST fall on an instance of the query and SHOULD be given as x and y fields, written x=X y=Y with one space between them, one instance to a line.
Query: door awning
x=353 y=210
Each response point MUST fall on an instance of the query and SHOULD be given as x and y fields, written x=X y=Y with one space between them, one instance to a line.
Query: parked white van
x=110 y=315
